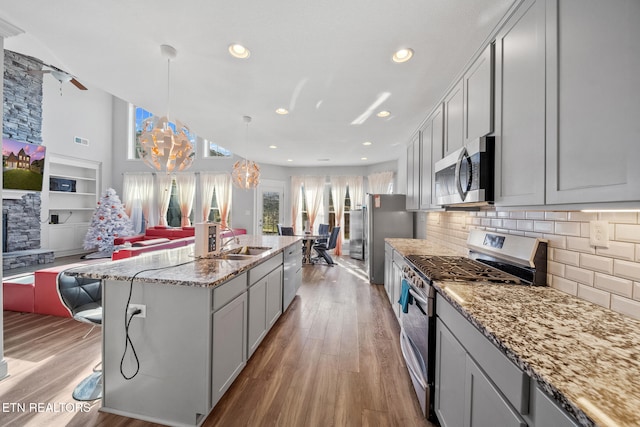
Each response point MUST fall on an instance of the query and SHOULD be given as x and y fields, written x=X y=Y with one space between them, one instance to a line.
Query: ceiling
x=328 y=62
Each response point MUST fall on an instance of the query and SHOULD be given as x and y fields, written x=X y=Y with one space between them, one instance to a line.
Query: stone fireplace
x=22 y=121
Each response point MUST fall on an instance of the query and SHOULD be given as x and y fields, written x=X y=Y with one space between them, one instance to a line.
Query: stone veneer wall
x=22 y=122
x=609 y=277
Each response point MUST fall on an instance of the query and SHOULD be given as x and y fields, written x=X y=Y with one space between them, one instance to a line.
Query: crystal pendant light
x=246 y=173
x=165 y=145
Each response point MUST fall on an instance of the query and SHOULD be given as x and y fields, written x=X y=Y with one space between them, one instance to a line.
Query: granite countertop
x=179 y=267
x=585 y=356
x=422 y=247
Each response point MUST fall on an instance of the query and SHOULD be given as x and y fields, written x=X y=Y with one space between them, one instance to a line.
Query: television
x=22 y=165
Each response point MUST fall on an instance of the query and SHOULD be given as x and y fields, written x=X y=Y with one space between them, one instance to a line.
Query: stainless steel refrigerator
x=385 y=216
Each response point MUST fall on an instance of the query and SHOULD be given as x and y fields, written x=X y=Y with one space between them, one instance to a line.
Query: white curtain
x=296 y=189
x=380 y=183
x=207 y=187
x=223 y=197
x=356 y=191
x=186 y=184
x=164 y=182
x=314 y=190
x=338 y=193
x=137 y=198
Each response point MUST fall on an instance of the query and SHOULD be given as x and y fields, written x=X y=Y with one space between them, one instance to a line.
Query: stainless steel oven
x=417 y=338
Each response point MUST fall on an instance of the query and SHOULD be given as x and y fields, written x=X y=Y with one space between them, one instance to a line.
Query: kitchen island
x=201 y=320
x=582 y=357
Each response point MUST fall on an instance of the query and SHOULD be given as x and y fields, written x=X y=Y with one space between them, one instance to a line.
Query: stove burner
x=458 y=268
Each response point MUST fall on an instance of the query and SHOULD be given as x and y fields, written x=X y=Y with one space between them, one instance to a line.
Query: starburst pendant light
x=165 y=145
x=246 y=174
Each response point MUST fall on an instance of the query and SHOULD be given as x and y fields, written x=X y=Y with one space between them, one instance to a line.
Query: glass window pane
x=270 y=212
x=174 y=217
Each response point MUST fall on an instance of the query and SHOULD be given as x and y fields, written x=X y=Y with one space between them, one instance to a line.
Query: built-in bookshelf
x=71 y=191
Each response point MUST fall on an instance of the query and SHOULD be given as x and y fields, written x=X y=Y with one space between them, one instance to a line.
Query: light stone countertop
x=585 y=356
x=179 y=267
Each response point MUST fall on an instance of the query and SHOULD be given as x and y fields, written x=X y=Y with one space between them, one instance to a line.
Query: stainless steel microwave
x=466 y=176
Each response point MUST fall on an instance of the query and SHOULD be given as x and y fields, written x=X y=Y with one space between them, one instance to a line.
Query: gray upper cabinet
x=430 y=152
x=593 y=101
x=454 y=119
x=413 y=173
x=478 y=97
x=520 y=107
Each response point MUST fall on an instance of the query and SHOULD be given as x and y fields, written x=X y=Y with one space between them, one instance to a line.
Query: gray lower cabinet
x=229 y=345
x=475 y=384
x=547 y=413
x=451 y=359
x=484 y=404
x=265 y=300
x=388 y=269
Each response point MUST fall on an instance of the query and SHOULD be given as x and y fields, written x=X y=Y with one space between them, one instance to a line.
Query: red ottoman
x=18 y=293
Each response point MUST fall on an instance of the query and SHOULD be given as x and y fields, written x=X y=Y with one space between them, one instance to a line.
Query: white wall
x=86 y=114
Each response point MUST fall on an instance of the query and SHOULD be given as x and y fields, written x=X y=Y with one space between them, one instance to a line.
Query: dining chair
x=323 y=249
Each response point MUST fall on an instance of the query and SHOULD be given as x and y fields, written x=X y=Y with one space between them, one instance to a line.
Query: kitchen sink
x=242 y=253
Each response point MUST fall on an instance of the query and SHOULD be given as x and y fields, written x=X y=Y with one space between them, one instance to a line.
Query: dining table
x=308 y=241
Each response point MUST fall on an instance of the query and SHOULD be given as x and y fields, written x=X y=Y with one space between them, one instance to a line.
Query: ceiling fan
x=60 y=75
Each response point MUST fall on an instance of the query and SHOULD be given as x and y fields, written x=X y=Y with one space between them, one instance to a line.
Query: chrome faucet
x=232 y=239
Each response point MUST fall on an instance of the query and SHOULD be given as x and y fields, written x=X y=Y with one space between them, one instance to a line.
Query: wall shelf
x=74 y=209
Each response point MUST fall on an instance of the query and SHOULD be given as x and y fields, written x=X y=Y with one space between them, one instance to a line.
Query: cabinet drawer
x=224 y=293
x=512 y=382
x=261 y=270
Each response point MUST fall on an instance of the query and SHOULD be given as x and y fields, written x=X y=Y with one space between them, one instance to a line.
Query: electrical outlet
x=141 y=307
x=599 y=233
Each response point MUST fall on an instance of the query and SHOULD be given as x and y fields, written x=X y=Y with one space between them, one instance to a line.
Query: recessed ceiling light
x=403 y=55
x=384 y=113
x=367 y=143
x=363 y=158
x=282 y=111
x=239 y=51
x=324 y=160
x=289 y=160
x=273 y=146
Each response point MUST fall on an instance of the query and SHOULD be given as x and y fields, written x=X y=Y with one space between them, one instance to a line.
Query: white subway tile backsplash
x=614 y=285
x=605 y=276
x=579 y=275
x=568 y=228
x=543 y=226
x=625 y=306
x=626 y=269
x=618 y=250
x=580 y=244
x=555 y=268
x=566 y=257
x=627 y=233
x=535 y=215
x=596 y=296
x=596 y=263
x=582 y=216
x=564 y=285
x=555 y=216
x=619 y=217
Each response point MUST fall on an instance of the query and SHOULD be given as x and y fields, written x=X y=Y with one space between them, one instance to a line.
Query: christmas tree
x=108 y=222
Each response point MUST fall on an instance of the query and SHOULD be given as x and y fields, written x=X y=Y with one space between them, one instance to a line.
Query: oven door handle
x=410 y=358
x=423 y=301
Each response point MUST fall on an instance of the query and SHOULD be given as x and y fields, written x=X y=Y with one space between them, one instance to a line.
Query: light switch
x=599 y=233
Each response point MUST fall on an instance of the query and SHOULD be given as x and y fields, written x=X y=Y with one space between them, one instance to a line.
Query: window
x=174 y=216
x=214 y=212
x=332 y=214
x=137 y=116
x=212 y=149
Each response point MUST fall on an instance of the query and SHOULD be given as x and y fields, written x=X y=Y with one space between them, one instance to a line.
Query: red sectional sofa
x=153 y=239
x=160 y=237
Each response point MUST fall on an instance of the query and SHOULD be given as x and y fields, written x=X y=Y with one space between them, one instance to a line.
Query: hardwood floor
x=332 y=359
